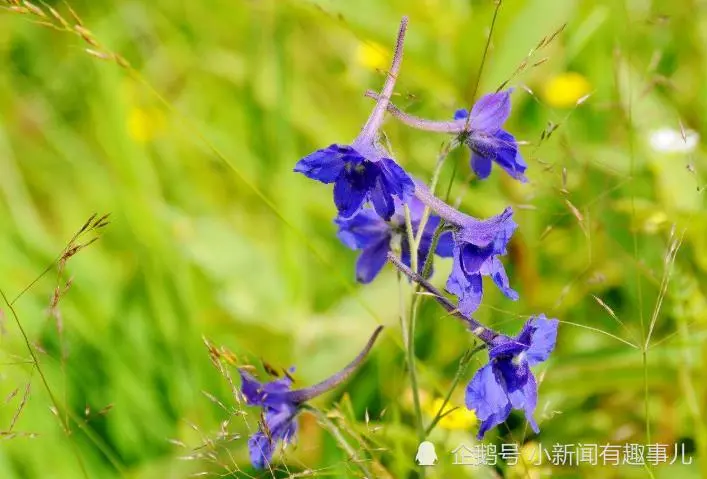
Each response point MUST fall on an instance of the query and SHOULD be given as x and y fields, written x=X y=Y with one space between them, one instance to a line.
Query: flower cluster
x=391 y=217
x=281 y=405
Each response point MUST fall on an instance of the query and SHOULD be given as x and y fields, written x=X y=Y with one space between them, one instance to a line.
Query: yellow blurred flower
x=460 y=418
x=565 y=89
x=145 y=124
x=372 y=55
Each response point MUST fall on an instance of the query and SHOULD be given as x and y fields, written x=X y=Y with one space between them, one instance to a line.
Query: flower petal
x=396 y=179
x=361 y=230
x=505 y=347
x=486 y=395
x=325 y=165
x=543 y=339
x=481 y=165
x=261 y=449
x=382 y=198
x=371 y=261
x=495 y=269
x=461 y=114
x=473 y=257
x=508 y=156
x=445 y=245
x=467 y=288
x=251 y=388
x=514 y=370
x=491 y=111
x=526 y=399
x=281 y=426
x=348 y=196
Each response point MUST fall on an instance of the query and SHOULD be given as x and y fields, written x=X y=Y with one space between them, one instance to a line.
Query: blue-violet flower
x=481 y=130
x=507 y=382
x=281 y=405
x=373 y=235
x=364 y=171
x=477 y=246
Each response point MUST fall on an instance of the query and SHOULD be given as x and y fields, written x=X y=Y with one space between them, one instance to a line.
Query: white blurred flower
x=669 y=140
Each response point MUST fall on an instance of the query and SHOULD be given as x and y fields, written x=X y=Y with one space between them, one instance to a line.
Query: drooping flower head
x=278 y=416
x=507 y=382
x=373 y=235
x=281 y=405
x=481 y=130
x=477 y=247
x=364 y=171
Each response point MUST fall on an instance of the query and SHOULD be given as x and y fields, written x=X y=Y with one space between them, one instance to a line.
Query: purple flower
x=486 y=139
x=281 y=405
x=477 y=246
x=481 y=130
x=368 y=232
x=507 y=382
x=478 y=243
x=278 y=413
x=360 y=173
x=364 y=171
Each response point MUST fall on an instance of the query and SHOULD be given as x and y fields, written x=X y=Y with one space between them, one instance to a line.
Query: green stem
x=476 y=88
x=414 y=243
x=463 y=363
x=411 y=238
x=433 y=185
x=57 y=408
x=329 y=425
x=427 y=267
x=410 y=336
x=412 y=371
x=646 y=394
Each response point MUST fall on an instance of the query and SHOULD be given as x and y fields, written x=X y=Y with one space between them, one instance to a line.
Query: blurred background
x=241 y=252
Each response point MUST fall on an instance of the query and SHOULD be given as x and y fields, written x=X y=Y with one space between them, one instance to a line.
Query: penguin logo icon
x=426 y=455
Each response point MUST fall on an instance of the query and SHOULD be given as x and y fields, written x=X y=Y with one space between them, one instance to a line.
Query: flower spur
x=363 y=171
x=481 y=130
x=477 y=247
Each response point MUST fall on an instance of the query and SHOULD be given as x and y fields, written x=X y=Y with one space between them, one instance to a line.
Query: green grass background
x=194 y=250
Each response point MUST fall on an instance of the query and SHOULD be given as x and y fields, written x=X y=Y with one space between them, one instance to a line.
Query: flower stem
x=426 y=213
x=412 y=240
x=409 y=335
x=463 y=363
x=427 y=267
x=477 y=329
x=476 y=89
x=413 y=372
x=329 y=425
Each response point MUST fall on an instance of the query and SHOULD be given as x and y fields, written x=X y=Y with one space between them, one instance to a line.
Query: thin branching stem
x=463 y=363
x=476 y=89
x=338 y=435
x=38 y=367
